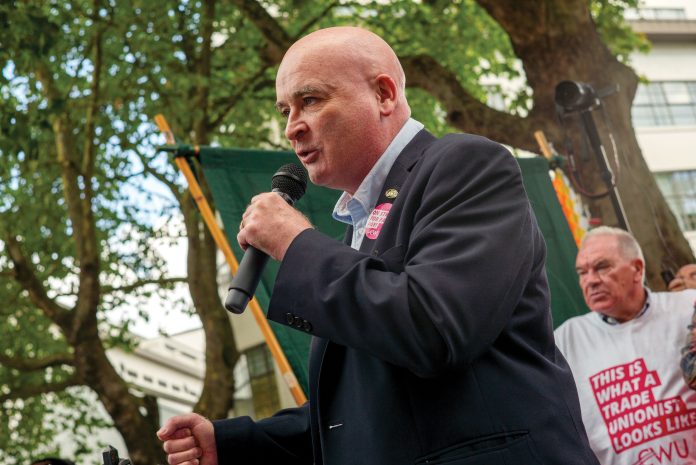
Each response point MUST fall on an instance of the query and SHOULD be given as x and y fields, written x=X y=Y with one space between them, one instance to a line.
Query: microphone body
x=290 y=182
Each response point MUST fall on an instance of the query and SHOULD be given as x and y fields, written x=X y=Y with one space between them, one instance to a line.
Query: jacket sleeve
x=283 y=438
x=438 y=299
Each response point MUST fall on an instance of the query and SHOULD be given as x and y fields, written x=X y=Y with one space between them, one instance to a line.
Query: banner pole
x=224 y=246
x=562 y=191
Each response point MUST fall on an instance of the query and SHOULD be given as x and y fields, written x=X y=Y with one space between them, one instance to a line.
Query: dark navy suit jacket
x=433 y=343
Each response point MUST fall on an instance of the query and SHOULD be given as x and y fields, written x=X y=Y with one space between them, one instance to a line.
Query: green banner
x=236 y=175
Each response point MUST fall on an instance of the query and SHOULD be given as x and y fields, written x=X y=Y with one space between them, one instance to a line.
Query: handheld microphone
x=290 y=182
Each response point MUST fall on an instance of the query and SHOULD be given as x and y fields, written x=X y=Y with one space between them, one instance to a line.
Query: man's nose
x=295 y=128
x=593 y=278
x=590 y=278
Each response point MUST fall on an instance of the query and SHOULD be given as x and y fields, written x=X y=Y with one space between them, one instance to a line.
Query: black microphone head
x=575 y=96
x=290 y=180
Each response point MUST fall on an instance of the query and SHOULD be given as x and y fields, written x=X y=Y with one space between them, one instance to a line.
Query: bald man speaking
x=432 y=331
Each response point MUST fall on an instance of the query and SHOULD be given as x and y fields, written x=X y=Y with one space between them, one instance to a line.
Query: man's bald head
x=341 y=91
x=349 y=48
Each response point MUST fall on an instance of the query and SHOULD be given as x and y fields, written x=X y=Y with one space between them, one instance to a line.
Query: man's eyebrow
x=302 y=91
x=305 y=90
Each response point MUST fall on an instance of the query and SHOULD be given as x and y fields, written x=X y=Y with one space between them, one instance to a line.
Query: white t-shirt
x=636 y=407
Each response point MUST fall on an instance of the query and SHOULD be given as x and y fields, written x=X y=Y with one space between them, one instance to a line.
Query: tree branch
x=305 y=27
x=78 y=202
x=464 y=111
x=144 y=282
x=92 y=110
x=25 y=276
x=82 y=215
x=232 y=100
x=27 y=391
x=161 y=177
x=278 y=39
x=35 y=364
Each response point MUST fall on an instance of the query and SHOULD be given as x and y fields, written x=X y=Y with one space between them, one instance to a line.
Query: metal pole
x=600 y=154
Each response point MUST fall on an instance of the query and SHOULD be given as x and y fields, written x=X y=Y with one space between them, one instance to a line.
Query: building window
x=679 y=189
x=263 y=382
x=655 y=14
x=667 y=103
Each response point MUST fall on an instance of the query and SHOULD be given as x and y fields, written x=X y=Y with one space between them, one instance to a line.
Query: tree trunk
x=136 y=420
x=221 y=354
x=558 y=41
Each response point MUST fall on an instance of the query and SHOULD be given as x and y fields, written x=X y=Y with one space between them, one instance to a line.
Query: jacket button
x=307 y=326
x=289 y=318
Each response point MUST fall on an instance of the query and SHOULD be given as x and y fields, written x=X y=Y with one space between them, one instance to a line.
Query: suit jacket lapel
x=395 y=179
x=397 y=175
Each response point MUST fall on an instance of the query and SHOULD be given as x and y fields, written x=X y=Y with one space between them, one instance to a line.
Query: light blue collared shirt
x=356 y=209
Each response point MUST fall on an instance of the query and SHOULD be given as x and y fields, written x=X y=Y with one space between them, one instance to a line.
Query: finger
x=177 y=445
x=181 y=433
x=185 y=456
x=246 y=214
x=241 y=240
x=176 y=423
x=187 y=462
x=172 y=432
x=190 y=462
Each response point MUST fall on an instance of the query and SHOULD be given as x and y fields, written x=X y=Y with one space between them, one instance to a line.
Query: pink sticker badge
x=376 y=220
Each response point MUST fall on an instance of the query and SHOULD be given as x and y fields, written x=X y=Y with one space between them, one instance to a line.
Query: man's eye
x=603 y=269
x=309 y=100
x=285 y=113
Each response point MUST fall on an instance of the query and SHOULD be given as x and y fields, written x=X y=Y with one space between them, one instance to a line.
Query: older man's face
x=333 y=117
x=685 y=278
x=611 y=284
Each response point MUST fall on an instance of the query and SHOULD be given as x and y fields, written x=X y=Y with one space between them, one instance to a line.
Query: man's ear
x=387 y=94
x=639 y=266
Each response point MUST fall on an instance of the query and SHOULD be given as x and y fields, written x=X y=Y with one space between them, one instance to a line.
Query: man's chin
x=600 y=305
x=319 y=178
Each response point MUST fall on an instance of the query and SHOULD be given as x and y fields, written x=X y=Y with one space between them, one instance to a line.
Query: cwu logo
x=663 y=455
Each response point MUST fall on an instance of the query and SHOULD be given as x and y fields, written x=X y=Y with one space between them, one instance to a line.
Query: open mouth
x=308 y=156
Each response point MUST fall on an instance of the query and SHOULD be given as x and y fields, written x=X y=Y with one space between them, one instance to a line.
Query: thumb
x=176 y=423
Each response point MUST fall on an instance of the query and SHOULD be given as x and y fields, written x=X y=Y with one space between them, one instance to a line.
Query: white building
x=171 y=368
x=664 y=110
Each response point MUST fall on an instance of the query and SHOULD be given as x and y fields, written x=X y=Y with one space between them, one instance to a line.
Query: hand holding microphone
x=268 y=226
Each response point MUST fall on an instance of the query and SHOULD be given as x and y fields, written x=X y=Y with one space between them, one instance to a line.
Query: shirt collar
x=613 y=321
x=350 y=207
